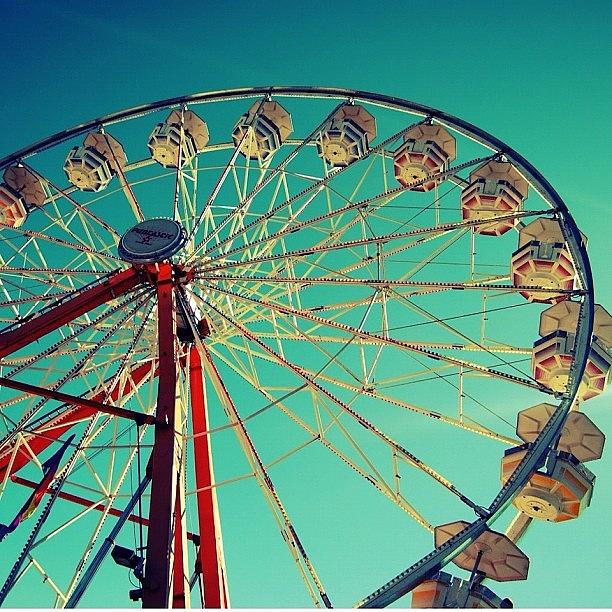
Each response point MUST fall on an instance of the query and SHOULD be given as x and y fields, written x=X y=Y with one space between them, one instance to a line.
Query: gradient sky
x=535 y=74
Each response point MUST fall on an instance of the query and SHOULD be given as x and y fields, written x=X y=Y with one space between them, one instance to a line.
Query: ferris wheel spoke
x=343 y=228
x=103 y=504
x=316 y=187
x=222 y=483
x=237 y=218
x=387 y=238
x=264 y=246
x=288 y=335
x=18 y=286
x=187 y=194
x=412 y=459
x=379 y=482
x=319 y=435
x=454 y=346
x=359 y=265
x=33 y=249
x=380 y=200
x=60 y=242
x=387 y=284
x=244 y=204
x=127 y=190
x=32 y=562
x=179 y=165
x=401 y=344
x=63 y=271
x=32 y=270
x=39 y=286
x=290 y=534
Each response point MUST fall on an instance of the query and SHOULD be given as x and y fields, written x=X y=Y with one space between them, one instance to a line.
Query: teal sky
x=535 y=74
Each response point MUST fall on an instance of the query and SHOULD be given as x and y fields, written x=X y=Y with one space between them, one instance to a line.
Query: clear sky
x=535 y=74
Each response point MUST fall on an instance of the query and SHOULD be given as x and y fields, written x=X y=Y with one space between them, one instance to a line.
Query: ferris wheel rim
x=535 y=177
x=569 y=227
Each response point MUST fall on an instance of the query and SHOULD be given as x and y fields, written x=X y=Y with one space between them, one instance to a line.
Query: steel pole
x=89 y=574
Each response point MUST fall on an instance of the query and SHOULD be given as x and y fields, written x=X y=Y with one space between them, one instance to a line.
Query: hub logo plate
x=151 y=241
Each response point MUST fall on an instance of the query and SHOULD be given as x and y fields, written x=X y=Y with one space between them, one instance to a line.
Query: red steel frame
x=159 y=571
x=210 y=554
x=166 y=581
x=67 y=311
x=89 y=503
x=58 y=425
x=81 y=402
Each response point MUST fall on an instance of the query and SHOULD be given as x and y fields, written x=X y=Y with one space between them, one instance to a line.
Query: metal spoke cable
x=383 y=340
x=377 y=283
x=70 y=375
x=442 y=377
x=250 y=125
x=316 y=186
x=360 y=419
x=55 y=491
x=261 y=472
x=461 y=316
x=63 y=271
x=60 y=242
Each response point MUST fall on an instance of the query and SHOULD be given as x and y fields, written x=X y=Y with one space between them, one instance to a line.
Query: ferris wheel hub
x=152 y=240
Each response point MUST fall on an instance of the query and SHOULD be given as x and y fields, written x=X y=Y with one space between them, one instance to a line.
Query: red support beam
x=210 y=551
x=56 y=426
x=88 y=503
x=81 y=402
x=157 y=583
x=110 y=288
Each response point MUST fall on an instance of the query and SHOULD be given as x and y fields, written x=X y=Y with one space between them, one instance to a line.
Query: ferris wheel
x=341 y=340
